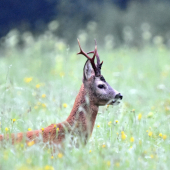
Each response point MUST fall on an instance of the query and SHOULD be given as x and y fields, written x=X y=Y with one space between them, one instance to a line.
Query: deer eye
x=100 y=86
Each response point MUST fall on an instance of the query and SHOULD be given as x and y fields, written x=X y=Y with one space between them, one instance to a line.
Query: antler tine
x=99 y=65
x=86 y=55
x=82 y=52
x=97 y=55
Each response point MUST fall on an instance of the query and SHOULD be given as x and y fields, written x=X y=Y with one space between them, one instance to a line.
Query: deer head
x=95 y=84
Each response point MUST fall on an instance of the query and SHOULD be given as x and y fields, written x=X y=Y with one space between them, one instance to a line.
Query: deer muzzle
x=117 y=99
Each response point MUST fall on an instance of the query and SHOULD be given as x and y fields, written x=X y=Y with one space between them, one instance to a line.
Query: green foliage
x=38 y=86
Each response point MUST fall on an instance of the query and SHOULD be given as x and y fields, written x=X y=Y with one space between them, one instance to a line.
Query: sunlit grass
x=38 y=87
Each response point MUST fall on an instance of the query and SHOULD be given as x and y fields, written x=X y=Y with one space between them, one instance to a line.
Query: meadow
x=38 y=86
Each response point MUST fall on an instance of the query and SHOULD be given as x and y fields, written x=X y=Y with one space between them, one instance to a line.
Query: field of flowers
x=38 y=85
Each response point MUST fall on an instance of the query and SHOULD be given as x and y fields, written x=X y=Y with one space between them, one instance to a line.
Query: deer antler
x=95 y=53
x=99 y=65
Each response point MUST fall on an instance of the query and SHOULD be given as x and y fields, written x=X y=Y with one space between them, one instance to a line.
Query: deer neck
x=83 y=114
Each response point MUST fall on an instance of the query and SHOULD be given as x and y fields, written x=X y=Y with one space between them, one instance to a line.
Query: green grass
x=142 y=76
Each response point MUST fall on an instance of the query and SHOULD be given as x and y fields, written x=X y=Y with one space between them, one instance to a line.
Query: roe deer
x=94 y=92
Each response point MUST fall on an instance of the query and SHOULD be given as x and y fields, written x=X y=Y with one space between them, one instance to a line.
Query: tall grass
x=39 y=83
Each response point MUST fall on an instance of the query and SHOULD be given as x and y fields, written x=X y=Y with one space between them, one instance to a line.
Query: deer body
x=94 y=92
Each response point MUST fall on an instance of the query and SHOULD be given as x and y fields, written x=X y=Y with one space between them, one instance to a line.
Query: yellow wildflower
x=140 y=142
x=103 y=146
x=153 y=107
x=52 y=157
x=147 y=131
x=109 y=123
x=42 y=129
x=55 y=126
x=130 y=148
x=58 y=129
x=28 y=79
x=164 y=137
x=6 y=129
x=13 y=120
x=150 y=134
x=21 y=145
x=116 y=121
x=44 y=105
x=64 y=105
x=60 y=155
x=98 y=126
x=152 y=156
x=150 y=114
x=117 y=164
x=29 y=129
x=139 y=116
x=90 y=151
x=35 y=107
x=132 y=139
x=37 y=86
x=39 y=103
x=160 y=134
x=6 y=155
x=30 y=143
x=29 y=161
x=48 y=167
x=61 y=74
x=108 y=163
x=43 y=96
x=123 y=135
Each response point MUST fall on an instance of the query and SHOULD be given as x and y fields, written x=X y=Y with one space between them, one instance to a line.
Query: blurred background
x=132 y=23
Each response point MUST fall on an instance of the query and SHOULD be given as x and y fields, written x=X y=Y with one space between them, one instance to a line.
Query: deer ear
x=88 y=71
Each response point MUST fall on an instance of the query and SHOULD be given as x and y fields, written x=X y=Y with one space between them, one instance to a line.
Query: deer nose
x=119 y=96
